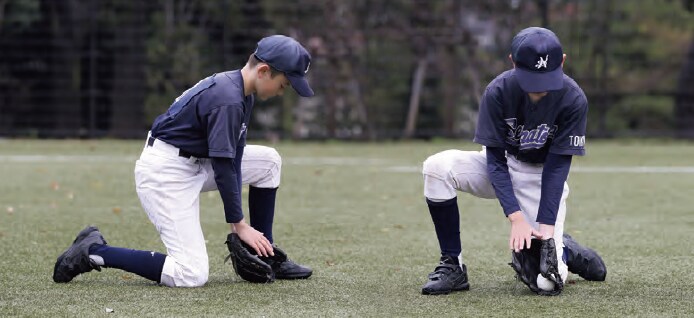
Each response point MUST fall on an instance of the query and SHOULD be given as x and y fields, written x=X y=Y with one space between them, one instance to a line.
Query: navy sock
x=447 y=224
x=144 y=263
x=261 y=208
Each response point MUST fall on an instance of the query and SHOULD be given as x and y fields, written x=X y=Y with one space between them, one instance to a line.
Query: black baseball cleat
x=447 y=277
x=284 y=268
x=75 y=260
x=583 y=261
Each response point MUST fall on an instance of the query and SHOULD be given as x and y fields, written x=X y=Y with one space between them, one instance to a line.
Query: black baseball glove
x=247 y=265
x=540 y=258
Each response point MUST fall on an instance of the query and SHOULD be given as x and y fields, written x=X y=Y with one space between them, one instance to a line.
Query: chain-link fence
x=381 y=69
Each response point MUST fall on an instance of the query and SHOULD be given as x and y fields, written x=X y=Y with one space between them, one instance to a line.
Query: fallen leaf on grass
x=330 y=263
x=117 y=210
x=55 y=186
x=126 y=276
x=399 y=226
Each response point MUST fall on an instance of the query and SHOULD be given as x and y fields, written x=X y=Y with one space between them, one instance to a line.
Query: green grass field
x=356 y=214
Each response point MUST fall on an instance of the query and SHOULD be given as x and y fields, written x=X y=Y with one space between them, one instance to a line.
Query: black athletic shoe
x=447 y=277
x=284 y=268
x=75 y=260
x=584 y=261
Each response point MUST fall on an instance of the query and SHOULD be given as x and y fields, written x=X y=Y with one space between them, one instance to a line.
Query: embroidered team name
x=529 y=139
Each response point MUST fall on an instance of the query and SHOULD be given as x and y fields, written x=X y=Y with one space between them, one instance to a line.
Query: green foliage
x=641 y=113
x=627 y=56
x=387 y=83
x=20 y=14
x=175 y=52
x=183 y=49
x=365 y=53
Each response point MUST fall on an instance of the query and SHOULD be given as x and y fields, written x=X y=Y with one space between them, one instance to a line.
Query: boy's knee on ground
x=175 y=274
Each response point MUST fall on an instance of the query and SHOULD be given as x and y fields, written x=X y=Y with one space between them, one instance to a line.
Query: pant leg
x=527 y=186
x=169 y=187
x=261 y=167
x=445 y=173
x=454 y=170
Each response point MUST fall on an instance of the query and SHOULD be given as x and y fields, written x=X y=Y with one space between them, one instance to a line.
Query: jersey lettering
x=529 y=139
x=577 y=141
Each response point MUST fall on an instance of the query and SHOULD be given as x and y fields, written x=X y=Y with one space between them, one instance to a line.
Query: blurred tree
x=388 y=68
x=21 y=65
x=128 y=92
x=63 y=21
x=684 y=98
x=626 y=56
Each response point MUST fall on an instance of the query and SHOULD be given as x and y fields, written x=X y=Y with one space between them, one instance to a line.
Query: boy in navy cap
x=199 y=145
x=532 y=121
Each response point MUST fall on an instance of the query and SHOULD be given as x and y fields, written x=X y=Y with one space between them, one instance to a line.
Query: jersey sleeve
x=570 y=137
x=228 y=179
x=224 y=129
x=554 y=174
x=497 y=168
x=490 y=130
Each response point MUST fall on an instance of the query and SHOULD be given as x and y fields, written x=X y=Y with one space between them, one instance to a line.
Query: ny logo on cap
x=541 y=62
x=307 y=67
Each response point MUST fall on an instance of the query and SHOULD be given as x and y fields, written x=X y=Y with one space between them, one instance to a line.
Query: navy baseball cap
x=289 y=57
x=538 y=56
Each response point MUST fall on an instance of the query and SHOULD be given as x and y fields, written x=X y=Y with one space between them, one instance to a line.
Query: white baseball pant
x=454 y=170
x=169 y=189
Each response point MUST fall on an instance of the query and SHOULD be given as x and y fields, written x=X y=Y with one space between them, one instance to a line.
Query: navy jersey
x=508 y=119
x=209 y=119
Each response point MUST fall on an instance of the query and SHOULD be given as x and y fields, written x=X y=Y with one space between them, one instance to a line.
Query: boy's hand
x=521 y=232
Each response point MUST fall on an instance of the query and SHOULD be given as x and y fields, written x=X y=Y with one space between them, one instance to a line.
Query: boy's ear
x=263 y=68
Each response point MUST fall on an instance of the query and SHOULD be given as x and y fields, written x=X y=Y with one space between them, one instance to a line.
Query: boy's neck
x=536 y=97
x=248 y=80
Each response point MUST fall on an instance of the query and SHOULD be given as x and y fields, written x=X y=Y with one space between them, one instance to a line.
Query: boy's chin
x=264 y=98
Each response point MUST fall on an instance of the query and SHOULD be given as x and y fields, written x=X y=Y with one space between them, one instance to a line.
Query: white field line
x=606 y=169
x=66 y=158
x=334 y=161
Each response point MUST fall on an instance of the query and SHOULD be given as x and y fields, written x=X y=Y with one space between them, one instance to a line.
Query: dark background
x=381 y=69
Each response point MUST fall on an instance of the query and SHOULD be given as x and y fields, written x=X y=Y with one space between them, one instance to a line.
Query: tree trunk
x=450 y=86
x=417 y=82
x=684 y=98
x=65 y=69
x=129 y=86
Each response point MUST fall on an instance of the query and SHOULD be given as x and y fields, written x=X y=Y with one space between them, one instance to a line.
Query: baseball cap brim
x=300 y=85
x=532 y=82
